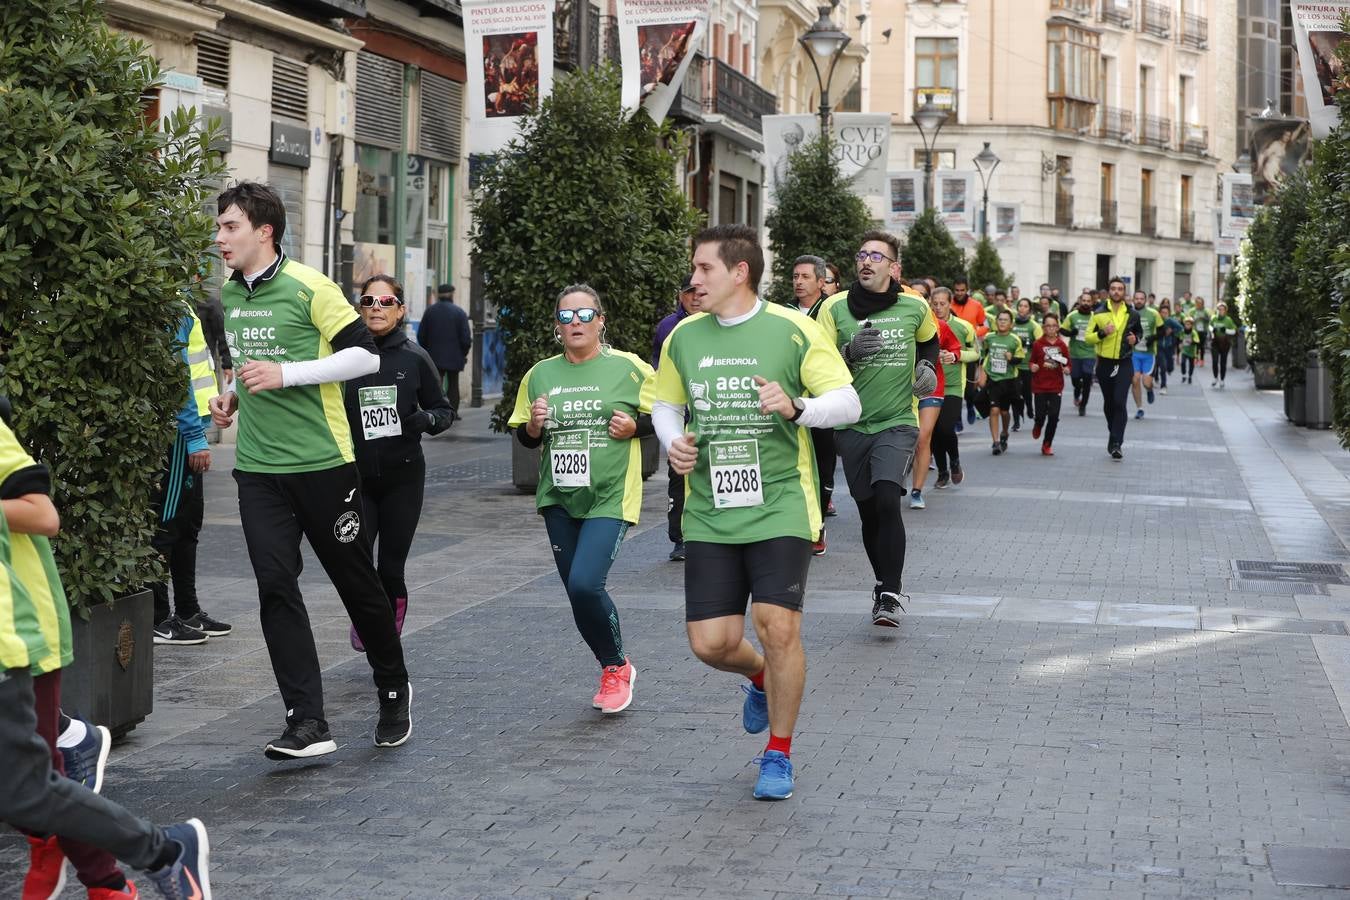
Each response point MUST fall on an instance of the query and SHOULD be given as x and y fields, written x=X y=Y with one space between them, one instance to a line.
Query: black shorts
x=720 y=578
x=1003 y=394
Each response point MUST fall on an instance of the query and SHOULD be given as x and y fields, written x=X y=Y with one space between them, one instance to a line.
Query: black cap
x=446 y=289
x=687 y=284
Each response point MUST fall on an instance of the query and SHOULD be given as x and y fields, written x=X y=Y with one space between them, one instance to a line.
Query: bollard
x=1317 y=402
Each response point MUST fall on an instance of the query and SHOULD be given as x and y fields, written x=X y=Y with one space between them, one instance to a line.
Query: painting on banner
x=1317 y=34
x=1278 y=148
x=903 y=200
x=783 y=136
x=657 y=42
x=954 y=194
x=862 y=143
x=1239 y=208
x=509 y=52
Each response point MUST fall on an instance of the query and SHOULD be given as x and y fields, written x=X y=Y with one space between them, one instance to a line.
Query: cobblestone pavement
x=1087 y=701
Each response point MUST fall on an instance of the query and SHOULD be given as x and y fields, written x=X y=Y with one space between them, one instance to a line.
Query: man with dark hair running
x=298 y=338
x=890 y=341
x=1114 y=332
x=754 y=376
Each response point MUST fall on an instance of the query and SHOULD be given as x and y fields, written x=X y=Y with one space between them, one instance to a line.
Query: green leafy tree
x=930 y=249
x=816 y=213
x=986 y=267
x=1283 y=322
x=584 y=194
x=101 y=230
x=1328 y=265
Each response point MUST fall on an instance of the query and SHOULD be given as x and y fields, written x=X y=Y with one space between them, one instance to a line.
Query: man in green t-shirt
x=1082 y=357
x=1145 y=356
x=889 y=339
x=295 y=467
x=753 y=377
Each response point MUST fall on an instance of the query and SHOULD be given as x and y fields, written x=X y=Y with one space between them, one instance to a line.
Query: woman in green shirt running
x=586 y=407
x=1221 y=331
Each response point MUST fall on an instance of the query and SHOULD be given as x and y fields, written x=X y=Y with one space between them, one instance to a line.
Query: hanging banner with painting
x=783 y=136
x=1317 y=34
x=1005 y=220
x=904 y=199
x=509 y=53
x=1279 y=146
x=1238 y=209
x=954 y=196
x=657 y=43
x=862 y=143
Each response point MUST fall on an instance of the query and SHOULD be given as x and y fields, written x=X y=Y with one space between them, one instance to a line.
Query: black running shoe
x=395 y=725
x=943 y=480
x=1115 y=452
x=888 y=610
x=174 y=630
x=677 y=554
x=207 y=625
x=1003 y=442
x=876 y=600
x=302 y=740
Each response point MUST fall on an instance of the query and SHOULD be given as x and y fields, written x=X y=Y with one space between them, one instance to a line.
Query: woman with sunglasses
x=586 y=407
x=831 y=284
x=389 y=412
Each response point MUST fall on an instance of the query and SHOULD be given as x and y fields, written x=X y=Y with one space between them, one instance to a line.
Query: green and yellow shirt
x=755 y=476
x=1002 y=352
x=583 y=469
x=1075 y=329
x=1028 y=332
x=954 y=375
x=1152 y=322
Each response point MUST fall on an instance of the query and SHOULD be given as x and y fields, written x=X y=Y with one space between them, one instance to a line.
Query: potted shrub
x=101 y=228
x=584 y=194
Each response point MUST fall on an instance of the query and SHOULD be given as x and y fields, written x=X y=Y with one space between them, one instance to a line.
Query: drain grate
x=1325 y=867
x=1276 y=570
x=1289 y=626
x=1248 y=586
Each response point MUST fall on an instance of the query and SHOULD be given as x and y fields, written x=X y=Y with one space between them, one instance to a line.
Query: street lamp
x=826 y=41
x=986 y=161
x=929 y=119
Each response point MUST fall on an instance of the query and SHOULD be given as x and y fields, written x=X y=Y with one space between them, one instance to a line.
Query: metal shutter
x=379 y=100
x=289 y=183
x=442 y=111
x=290 y=89
x=213 y=60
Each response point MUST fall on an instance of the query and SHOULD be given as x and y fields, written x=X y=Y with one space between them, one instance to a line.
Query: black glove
x=866 y=342
x=417 y=423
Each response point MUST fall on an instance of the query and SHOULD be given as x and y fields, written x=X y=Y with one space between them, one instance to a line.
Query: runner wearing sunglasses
x=586 y=407
x=388 y=412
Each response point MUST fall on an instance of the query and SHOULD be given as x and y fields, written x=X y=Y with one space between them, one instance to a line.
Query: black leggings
x=1024 y=405
x=1047 y=414
x=393 y=507
x=1188 y=367
x=883 y=533
x=946 y=452
x=1219 y=361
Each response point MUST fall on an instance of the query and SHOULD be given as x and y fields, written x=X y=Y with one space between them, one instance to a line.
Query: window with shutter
x=379 y=100
x=441 y=114
x=213 y=60
x=290 y=89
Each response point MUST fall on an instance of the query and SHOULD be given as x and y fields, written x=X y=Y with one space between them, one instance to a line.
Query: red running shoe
x=1046 y=451
x=1036 y=432
x=616 y=688
x=46 y=870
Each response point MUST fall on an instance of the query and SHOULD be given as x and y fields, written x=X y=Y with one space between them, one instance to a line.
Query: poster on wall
x=904 y=199
x=509 y=53
x=783 y=136
x=862 y=143
x=954 y=196
x=1317 y=34
x=1279 y=147
x=1238 y=208
x=1005 y=220
x=657 y=43
x=414 y=282
x=371 y=259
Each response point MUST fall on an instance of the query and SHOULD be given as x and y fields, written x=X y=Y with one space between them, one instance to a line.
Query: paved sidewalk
x=1087 y=701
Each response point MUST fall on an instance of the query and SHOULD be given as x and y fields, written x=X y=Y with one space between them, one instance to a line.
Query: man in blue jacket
x=446 y=335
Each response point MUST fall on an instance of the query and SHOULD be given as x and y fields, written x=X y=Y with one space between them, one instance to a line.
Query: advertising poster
x=1005 y=219
x=509 y=53
x=1238 y=208
x=954 y=196
x=1279 y=147
x=1317 y=34
x=862 y=143
x=783 y=135
x=657 y=41
x=904 y=199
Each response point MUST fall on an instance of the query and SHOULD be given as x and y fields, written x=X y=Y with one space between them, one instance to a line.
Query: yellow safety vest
x=203 y=374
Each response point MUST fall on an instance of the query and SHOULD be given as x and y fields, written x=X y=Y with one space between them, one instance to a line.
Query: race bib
x=379 y=412
x=998 y=365
x=734 y=467
x=1080 y=333
x=1054 y=357
x=570 y=458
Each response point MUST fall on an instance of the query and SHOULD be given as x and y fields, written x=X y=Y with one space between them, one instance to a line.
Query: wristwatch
x=800 y=406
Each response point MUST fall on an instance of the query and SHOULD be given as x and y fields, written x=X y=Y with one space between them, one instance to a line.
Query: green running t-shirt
x=583 y=469
x=1001 y=355
x=885 y=380
x=1151 y=321
x=1028 y=333
x=1075 y=329
x=1223 y=326
x=954 y=375
x=755 y=476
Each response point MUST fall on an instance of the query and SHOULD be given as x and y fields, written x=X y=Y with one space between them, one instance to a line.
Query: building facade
x=1102 y=113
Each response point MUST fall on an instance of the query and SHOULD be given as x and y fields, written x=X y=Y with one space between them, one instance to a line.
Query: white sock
x=73 y=735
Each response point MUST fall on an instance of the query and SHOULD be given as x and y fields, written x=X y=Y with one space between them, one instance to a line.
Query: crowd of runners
x=753 y=402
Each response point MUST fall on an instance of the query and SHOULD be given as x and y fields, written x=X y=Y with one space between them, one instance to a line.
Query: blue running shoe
x=1139 y=413
x=86 y=761
x=755 y=712
x=775 y=776
x=970 y=414
x=189 y=877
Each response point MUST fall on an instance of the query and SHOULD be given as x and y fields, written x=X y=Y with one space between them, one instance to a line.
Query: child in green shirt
x=1190 y=349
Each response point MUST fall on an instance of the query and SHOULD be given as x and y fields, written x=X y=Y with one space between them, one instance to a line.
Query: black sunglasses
x=585 y=314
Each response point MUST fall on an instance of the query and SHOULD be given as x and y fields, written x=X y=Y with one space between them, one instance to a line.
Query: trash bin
x=1296 y=403
x=1317 y=401
x=1240 y=351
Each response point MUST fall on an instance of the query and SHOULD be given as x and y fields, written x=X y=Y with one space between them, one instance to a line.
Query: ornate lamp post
x=827 y=42
x=986 y=161
x=929 y=119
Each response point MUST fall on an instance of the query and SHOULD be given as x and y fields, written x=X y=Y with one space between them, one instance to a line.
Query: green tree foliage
x=986 y=267
x=931 y=250
x=101 y=230
x=584 y=194
x=1329 y=268
x=1282 y=324
x=816 y=213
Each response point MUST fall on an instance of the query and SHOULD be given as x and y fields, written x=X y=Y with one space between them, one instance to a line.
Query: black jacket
x=422 y=407
x=445 y=333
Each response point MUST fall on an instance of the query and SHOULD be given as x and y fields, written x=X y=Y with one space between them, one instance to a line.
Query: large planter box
x=1296 y=404
x=1240 y=351
x=112 y=681
x=1265 y=375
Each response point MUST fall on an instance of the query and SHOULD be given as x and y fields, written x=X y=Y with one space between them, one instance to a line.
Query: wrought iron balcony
x=1077 y=7
x=1194 y=30
x=1109 y=219
x=692 y=98
x=1188 y=225
x=1156 y=19
x=1195 y=139
x=1148 y=221
x=1156 y=131
x=1064 y=210
x=738 y=97
x=1116 y=123
x=1118 y=12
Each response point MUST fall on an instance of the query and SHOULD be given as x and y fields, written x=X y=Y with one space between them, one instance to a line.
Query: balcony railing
x=1195 y=139
x=739 y=98
x=1116 y=123
x=1109 y=219
x=1118 y=12
x=693 y=97
x=1064 y=210
x=1077 y=7
x=1188 y=225
x=1194 y=30
x=1157 y=131
x=1148 y=221
x=1156 y=19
